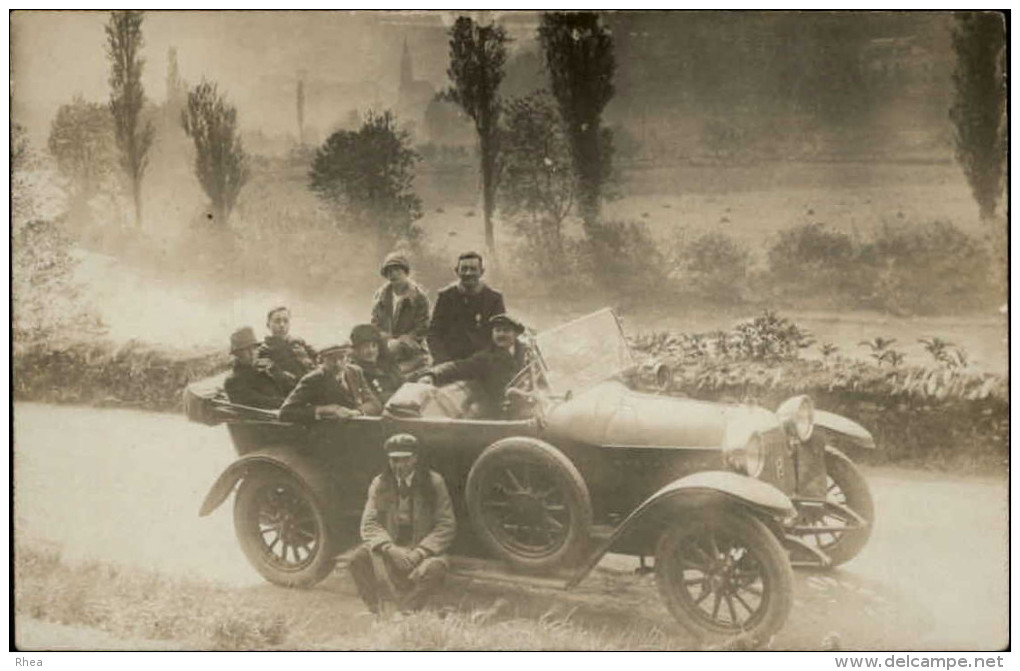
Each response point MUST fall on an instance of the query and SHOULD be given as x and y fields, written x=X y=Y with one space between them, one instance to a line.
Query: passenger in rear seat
x=370 y=354
x=334 y=390
x=285 y=357
x=247 y=385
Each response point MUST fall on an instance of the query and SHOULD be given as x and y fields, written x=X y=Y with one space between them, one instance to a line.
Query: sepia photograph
x=525 y=330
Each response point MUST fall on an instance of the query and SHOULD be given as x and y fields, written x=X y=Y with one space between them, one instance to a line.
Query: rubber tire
x=246 y=528
x=858 y=498
x=774 y=560
x=569 y=482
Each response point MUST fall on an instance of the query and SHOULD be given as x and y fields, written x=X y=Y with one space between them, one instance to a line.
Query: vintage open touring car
x=724 y=497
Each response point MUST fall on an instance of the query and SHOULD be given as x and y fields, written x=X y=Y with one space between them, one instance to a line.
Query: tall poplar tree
x=477 y=60
x=127 y=98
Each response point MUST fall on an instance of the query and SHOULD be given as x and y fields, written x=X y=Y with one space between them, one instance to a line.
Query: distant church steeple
x=406 y=74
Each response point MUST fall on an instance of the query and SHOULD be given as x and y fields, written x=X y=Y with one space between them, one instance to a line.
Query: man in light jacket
x=407 y=526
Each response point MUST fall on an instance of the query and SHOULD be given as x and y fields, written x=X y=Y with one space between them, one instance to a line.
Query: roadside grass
x=138 y=604
x=477 y=630
x=133 y=603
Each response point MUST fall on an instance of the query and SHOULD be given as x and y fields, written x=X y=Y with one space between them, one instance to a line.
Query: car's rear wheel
x=842 y=527
x=282 y=529
x=528 y=504
x=724 y=575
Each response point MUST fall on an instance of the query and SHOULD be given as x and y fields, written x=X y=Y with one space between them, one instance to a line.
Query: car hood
x=611 y=414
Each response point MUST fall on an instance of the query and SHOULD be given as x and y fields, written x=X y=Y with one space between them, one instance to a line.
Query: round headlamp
x=743 y=449
x=755 y=452
x=798 y=412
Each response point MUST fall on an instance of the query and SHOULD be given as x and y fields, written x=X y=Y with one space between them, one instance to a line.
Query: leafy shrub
x=926 y=269
x=367 y=178
x=101 y=373
x=46 y=297
x=811 y=260
x=904 y=269
x=945 y=416
x=767 y=337
x=537 y=186
x=623 y=256
x=714 y=266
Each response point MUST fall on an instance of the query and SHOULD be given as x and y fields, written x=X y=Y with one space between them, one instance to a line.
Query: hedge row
x=101 y=373
x=932 y=417
x=940 y=417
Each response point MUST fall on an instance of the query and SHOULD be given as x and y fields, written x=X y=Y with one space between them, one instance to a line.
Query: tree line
x=543 y=157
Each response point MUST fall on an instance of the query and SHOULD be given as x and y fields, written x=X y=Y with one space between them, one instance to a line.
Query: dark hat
x=363 y=333
x=334 y=349
x=395 y=259
x=243 y=338
x=507 y=320
x=401 y=445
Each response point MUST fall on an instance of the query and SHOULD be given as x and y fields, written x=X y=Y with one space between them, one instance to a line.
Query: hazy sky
x=253 y=55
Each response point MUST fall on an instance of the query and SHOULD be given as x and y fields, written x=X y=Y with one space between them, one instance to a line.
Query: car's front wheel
x=282 y=529
x=724 y=575
x=849 y=513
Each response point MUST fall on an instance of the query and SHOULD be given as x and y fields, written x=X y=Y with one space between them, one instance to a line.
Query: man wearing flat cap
x=400 y=310
x=285 y=357
x=495 y=366
x=407 y=526
x=334 y=390
x=247 y=385
x=370 y=355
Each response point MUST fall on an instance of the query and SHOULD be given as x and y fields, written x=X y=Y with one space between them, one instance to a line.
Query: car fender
x=707 y=488
x=283 y=457
x=849 y=429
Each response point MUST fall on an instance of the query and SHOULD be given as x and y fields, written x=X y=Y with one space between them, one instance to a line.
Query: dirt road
x=125 y=486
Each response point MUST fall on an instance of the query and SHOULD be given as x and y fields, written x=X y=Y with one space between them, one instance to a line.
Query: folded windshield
x=583 y=352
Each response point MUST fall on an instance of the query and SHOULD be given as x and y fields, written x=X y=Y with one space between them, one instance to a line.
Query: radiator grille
x=779 y=467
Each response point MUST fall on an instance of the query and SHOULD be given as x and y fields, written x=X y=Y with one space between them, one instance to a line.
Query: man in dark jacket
x=286 y=358
x=334 y=390
x=407 y=526
x=400 y=310
x=460 y=320
x=494 y=367
x=247 y=385
x=370 y=355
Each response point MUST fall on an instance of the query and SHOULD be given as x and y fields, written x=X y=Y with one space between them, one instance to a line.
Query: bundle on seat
x=453 y=401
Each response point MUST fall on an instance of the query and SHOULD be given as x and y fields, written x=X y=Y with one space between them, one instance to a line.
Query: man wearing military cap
x=400 y=310
x=370 y=355
x=247 y=385
x=285 y=357
x=495 y=367
x=334 y=390
x=407 y=526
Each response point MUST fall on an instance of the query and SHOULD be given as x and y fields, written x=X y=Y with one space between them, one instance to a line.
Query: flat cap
x=506 y=320
x=334 y=349
x=401 y=445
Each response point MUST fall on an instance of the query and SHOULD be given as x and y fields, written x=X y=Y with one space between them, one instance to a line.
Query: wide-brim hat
x=401 y=445
x=507 y=320
x=395 y=259
x=243 y=338
x=363 y=333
